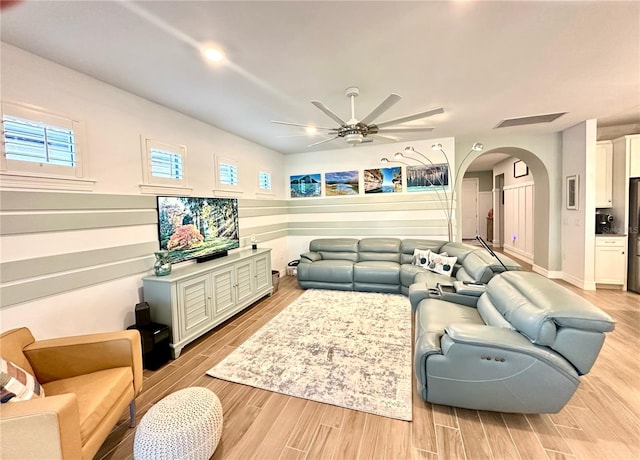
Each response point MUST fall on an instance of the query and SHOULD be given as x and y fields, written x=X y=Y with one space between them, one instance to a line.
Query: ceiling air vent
x=529 y=120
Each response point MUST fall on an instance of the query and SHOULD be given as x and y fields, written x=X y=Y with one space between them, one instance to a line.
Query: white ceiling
x=481 y=61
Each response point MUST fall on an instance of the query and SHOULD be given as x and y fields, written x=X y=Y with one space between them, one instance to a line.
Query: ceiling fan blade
x=322 y=142
x=415 y=116
x=329 y=112
x=301 y=125
x=405 y=130
x=383 y=107
x=382 y=137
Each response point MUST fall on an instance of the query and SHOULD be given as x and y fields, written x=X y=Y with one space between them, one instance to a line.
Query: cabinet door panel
x=194 y=298
x=610 y=265
x=263 y=273
x=244 y=281
x=223 y=291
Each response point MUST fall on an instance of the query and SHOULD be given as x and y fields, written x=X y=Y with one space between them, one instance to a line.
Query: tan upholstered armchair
x=88 y=381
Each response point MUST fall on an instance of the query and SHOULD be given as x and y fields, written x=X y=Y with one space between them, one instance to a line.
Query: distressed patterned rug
x=348 y=349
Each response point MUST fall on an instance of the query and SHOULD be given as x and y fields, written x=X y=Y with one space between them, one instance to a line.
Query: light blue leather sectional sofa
x=515 y=342
x=385 y=264
x=521 y=347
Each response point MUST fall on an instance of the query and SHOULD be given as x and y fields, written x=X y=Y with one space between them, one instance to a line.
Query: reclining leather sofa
x=521 y=347
x=386 y=264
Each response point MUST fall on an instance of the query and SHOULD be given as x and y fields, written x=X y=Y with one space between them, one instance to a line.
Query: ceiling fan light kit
x=355 y=131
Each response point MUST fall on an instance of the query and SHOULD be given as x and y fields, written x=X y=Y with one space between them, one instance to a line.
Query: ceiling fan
x=356 y=131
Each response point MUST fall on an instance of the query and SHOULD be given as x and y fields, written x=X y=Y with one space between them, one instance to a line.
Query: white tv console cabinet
x=195 y=299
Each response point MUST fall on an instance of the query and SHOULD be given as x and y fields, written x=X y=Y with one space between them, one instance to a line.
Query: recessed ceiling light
x=213 y=54
x=311 y=130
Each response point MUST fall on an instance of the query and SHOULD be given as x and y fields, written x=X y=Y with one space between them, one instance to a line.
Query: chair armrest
x=66 y=357
x=310 y=257
x=492 y=337
x=41 y=428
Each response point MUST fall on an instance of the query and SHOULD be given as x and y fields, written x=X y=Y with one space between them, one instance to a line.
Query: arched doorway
x=541 y=199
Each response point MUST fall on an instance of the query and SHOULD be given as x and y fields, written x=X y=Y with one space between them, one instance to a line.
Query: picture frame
x=573 y=185
x=520 y=169
x=424 y=178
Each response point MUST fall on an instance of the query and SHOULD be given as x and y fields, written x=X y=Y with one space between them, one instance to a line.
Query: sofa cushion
x=386 y=249
x=97 y=394
x=475 y=268
x=459 y=250
x=432 y=278
x=336 y=248
x=377 y=272
x=16 y=384
x=329 y=271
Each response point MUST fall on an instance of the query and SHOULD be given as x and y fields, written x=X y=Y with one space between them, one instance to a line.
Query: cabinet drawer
x=611 y=242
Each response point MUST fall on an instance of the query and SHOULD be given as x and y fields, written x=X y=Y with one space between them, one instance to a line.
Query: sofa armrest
x=310 y=257
x=496 y=338
x=41 y=428
x=417 y=293
x=66 y=357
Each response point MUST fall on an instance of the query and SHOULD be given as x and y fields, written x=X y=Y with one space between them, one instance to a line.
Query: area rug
x=348 y=349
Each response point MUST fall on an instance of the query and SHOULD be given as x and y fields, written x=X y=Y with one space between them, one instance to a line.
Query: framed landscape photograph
x=572 y=192
x=341 y=183
x=424 y=178
x=305 y=185
x=383 y=180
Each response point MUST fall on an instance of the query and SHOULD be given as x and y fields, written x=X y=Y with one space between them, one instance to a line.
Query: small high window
x=42 y=150
x=264 y=180
x=164 y=167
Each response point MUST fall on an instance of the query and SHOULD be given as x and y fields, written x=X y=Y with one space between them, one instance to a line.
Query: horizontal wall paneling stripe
x=30 y=268
x=36 y=223
x=39 y=201
x=35 y=289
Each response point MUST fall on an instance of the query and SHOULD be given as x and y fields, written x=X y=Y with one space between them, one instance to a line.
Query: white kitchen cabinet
x=604 y=174
x=634 y=155
x=195 y=299
x=611 y=260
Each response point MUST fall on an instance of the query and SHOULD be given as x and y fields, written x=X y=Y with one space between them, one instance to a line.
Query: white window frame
x=220 y=185
x=29 y=174
x=261 y=190
x=162 y=185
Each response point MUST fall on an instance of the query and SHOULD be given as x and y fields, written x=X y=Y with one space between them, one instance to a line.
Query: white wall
x=519 y=223
x=115 y=120
x=578 y=239
x=543 y=154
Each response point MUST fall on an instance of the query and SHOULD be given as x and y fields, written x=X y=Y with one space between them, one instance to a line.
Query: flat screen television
x=197 y=228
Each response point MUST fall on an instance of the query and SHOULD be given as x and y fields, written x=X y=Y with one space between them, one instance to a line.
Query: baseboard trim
x=580 y=283
x=553 y=274
x=525 y=256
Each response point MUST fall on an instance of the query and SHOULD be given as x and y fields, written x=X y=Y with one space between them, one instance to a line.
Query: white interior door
x=469 y=208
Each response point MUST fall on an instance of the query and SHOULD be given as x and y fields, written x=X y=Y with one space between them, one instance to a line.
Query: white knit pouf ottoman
x=186 y=424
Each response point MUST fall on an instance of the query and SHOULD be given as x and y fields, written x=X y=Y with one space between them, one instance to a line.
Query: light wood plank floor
x=602 y=421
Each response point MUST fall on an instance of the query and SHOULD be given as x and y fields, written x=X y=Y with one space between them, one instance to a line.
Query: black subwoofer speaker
x=143 y=314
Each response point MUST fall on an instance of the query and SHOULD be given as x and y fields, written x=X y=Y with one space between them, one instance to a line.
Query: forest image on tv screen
x=191 y=227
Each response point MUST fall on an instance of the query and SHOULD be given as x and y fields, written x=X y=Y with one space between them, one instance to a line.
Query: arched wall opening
x=542 y=204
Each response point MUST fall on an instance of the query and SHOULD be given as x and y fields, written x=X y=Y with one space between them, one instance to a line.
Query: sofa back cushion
x=336 y=248
x=475 y=268
x=383 y=249
x=548 y=315
x=457 y=250
x=408 y=246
